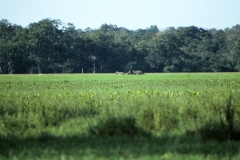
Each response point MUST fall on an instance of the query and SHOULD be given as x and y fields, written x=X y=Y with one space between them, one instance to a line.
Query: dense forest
x=50 y=46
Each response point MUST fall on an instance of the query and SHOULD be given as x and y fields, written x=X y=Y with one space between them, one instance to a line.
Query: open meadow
x=108 y=116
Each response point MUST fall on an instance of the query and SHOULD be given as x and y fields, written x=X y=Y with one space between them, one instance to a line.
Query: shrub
x=117 y=126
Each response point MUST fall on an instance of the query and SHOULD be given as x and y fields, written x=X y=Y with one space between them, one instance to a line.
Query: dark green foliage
x=51 y=47
x=218 y=131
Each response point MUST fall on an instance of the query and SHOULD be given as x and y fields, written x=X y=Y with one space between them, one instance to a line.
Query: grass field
x=108 y=116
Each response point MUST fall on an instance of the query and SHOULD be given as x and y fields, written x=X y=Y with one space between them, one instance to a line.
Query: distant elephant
x=135 y=72
x=120 y=73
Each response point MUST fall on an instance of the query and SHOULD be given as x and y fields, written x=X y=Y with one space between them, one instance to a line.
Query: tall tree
x=165 y=52
x=11 y=48
x=42 y=37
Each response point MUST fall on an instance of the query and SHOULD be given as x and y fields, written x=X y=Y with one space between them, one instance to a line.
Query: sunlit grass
x=166 y=116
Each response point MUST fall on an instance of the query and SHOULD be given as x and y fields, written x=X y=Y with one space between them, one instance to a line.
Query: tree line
x=50 y=46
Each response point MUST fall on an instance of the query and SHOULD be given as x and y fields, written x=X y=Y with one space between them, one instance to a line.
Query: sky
x=131 y=14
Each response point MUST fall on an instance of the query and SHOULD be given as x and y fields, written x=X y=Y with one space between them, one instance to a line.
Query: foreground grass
x=156 y=116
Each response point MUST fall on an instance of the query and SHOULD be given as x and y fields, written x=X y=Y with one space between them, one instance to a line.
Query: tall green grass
x=155 y=116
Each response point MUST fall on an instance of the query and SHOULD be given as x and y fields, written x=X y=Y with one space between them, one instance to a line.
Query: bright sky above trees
x=131 y=14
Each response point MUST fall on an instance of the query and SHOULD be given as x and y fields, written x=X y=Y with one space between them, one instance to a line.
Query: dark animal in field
x=135 y=72
x=120 y=73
